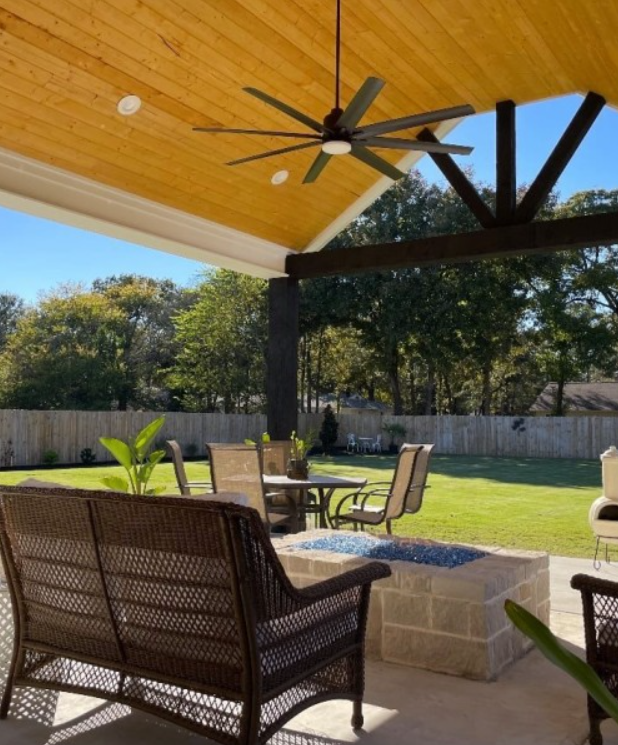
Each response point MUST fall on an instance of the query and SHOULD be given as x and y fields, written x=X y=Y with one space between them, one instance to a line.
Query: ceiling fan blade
x=362 y=100
x=373 y=160
x=267 y=132
x=416 y=120
x=268 y=154
x=317 y=167
x=298 y=115
x=398 y=143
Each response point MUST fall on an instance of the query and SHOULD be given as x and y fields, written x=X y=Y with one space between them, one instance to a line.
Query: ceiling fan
x=340 y=134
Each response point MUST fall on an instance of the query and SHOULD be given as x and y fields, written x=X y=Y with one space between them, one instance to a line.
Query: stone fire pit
x=446 y=620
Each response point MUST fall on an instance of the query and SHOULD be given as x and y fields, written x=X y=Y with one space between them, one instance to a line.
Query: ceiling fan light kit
x=339 y=133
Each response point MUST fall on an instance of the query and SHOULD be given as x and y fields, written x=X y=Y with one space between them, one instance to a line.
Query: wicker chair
x=238 y=468
x=403 y=494
x=185 y=486
x=177 y=606
x=600 y=602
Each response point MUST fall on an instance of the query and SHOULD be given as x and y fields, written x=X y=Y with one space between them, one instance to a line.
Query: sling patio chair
x=404 y=494
x=178 y=606
x=238 y=468
x=185 y=486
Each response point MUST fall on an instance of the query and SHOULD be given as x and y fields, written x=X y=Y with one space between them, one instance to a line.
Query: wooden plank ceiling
x=64 y=64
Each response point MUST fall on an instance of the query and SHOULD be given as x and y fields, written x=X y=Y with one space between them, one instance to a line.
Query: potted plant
x=298 y=467
x=394 y=430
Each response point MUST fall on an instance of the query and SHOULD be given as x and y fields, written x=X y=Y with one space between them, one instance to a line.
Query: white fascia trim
x=27 y=185
x=370 y=196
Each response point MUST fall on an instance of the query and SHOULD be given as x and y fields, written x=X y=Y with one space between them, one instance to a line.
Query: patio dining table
x=323 y=484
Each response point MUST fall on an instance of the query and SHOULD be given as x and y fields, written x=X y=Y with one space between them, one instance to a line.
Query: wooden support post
x=506 y=183
x=560 y=157
x=282 y=360
x=459 y=181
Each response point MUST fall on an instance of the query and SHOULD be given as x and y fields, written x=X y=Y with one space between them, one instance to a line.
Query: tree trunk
x=309 y=374
x=303 y=374
x=486 y=393
x=430 y=387
x=393 y=377
x=318 y=372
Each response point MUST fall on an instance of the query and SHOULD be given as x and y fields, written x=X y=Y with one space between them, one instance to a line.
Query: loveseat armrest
x=363 y=575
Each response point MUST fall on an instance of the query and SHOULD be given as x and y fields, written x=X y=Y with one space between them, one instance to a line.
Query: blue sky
x=55 y=253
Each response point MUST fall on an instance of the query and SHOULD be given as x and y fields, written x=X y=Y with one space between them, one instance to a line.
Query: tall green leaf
x=119 y=449
x=555 y=652
x=145 y=437
x=117 y=483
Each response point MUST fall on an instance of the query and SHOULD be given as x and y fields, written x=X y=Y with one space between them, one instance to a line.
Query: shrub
x=50 y=458
x=87 y=456
x=329 y=430
x=191 y=450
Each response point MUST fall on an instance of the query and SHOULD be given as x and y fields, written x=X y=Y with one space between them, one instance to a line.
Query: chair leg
x=357 y=715
x=389 y=529
x=6 y=699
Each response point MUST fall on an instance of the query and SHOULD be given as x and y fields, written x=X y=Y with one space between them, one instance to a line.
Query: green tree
x=145 y=337
x=222 y=339
x=62 y=354
x=11 y=310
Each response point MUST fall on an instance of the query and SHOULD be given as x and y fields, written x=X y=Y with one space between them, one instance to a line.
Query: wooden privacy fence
x=26 y=435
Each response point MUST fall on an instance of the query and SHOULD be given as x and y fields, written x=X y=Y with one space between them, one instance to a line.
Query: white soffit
x=45 y=191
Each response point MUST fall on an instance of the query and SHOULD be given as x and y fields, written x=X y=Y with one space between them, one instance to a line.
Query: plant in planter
x=135 y=458
x=298 y=467
x=394 y=430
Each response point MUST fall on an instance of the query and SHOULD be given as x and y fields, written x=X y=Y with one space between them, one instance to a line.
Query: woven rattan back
x=403 y=478
x=237 y=468
x=133 y=582
x=275 y=457
x=414 y=499
x=174 y=451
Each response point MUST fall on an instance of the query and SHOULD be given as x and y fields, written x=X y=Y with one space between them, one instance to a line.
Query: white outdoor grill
x=603 y=515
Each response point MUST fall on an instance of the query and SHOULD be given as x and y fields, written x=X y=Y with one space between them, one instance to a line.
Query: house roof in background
x=66 y=153
x=580 y=397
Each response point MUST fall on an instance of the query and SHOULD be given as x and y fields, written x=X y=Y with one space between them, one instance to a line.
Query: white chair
x=352 y=446
x=376 y=446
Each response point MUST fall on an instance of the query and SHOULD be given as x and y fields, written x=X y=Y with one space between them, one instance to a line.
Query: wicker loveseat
x=178 y=606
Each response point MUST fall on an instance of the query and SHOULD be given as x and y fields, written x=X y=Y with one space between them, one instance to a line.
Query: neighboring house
x=354 y=403
x=580 y=399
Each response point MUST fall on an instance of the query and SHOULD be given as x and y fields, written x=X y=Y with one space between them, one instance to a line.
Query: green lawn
x=512 y=502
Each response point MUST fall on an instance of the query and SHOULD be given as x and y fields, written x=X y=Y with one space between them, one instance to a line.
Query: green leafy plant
x=50 y=458
x=134 y=457
x=301 y=446
x=394 y=430
x=557 y=653
x=87 y=456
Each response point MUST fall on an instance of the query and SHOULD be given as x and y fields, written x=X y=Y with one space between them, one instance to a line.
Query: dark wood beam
x=459 y=181
x=510 y=240
x=506 y=183
x=282 y=359
x=560 y=157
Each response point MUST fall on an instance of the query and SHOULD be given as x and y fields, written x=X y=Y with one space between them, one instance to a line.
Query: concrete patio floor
x=531 y=704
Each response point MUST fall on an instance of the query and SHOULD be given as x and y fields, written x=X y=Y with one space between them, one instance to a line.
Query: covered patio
x=72 y=151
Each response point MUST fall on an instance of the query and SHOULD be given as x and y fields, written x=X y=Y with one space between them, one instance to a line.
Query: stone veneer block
x=446 y=620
